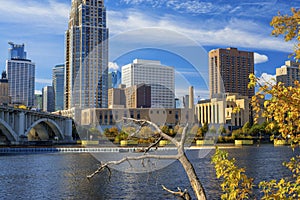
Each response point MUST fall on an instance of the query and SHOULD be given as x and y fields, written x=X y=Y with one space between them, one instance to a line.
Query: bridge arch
x=8 y=131
x=51 y=123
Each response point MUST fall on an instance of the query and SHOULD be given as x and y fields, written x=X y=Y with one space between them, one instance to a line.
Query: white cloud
x=209 y=33
x=50 y=16
x=37 y=92
x=267 y=78
x=43 y=81
x=113 y=66
x=193 y=7
x=259 y=58
x=218 y=7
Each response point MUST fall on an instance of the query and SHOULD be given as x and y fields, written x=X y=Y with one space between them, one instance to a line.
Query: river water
x=63 y=175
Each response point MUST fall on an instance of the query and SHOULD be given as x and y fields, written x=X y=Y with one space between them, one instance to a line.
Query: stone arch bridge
x=17 y=125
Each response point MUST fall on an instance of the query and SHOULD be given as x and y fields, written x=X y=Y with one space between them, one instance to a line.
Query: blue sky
x=179 y=33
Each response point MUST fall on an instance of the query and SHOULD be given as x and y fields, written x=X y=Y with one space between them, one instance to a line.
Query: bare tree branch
x=153 y=145
x=181 y=157
x=183 y=136
x=183 y=194
x=107 y=164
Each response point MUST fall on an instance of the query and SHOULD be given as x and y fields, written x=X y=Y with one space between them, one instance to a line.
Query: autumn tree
x=246 y=128
x=288 y=26
x=282 y=112
x=236 y=185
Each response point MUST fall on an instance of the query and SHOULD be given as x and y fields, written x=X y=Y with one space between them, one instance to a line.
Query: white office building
x=153 y=73
x=288 y=73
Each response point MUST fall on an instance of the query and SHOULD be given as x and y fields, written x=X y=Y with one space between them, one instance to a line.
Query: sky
x=178 y=33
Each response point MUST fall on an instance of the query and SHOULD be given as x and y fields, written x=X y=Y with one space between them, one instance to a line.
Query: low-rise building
x=5 y=99
x=169 y=117
x=221 y=111
x=136 y=96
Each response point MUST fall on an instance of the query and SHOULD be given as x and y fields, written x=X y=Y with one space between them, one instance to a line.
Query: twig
x=183 y=194
x=153 y=145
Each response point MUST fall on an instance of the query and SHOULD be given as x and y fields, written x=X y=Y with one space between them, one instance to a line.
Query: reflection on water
x=63 y=176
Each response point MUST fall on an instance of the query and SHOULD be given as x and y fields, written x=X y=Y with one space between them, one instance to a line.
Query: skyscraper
x=229 y=71
x=114 y=79
x=58 y=79
x=159 y=77
x=21 y=75
x=48 y=99
x=288 y=73
x=86 y=69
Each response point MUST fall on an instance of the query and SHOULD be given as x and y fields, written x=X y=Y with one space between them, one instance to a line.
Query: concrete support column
x=68 y=129
x=2 y=115
x=21 y=124
x=6 y=117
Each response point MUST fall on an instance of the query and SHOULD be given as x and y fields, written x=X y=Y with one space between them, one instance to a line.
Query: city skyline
x=218 y=24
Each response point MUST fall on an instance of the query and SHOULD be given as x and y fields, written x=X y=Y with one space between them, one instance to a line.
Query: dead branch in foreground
x=180 y=156
x=183 y=194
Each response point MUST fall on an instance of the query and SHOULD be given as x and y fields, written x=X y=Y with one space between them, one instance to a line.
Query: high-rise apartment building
x=86 y=69
x=21 y=76
x=58 y=79
x=288 y=73
x=48 y=99
x=159 y=77
x=229 y=71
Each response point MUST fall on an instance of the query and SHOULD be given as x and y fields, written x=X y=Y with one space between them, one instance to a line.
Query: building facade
x=116 y=98
x=58 y=80
x=48 y=99
x=289 y=73
x=218 y=111
x=169 y=116
x=5 y=99
x=159 y=77
x=86 y=71
x=229 y=71
x=21 y=76
x=137 y=96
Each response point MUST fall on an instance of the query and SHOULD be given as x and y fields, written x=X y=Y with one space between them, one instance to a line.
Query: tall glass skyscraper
x=58 y=79
x=21 y=75
x=86 y=72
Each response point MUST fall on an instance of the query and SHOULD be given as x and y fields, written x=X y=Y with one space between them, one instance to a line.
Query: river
x=63 y=175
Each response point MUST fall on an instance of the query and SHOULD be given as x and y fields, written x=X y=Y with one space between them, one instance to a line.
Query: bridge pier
x=21 y=123
x=68 y=130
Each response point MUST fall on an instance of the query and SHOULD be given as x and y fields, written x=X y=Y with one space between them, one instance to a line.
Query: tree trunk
x=195 y=183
